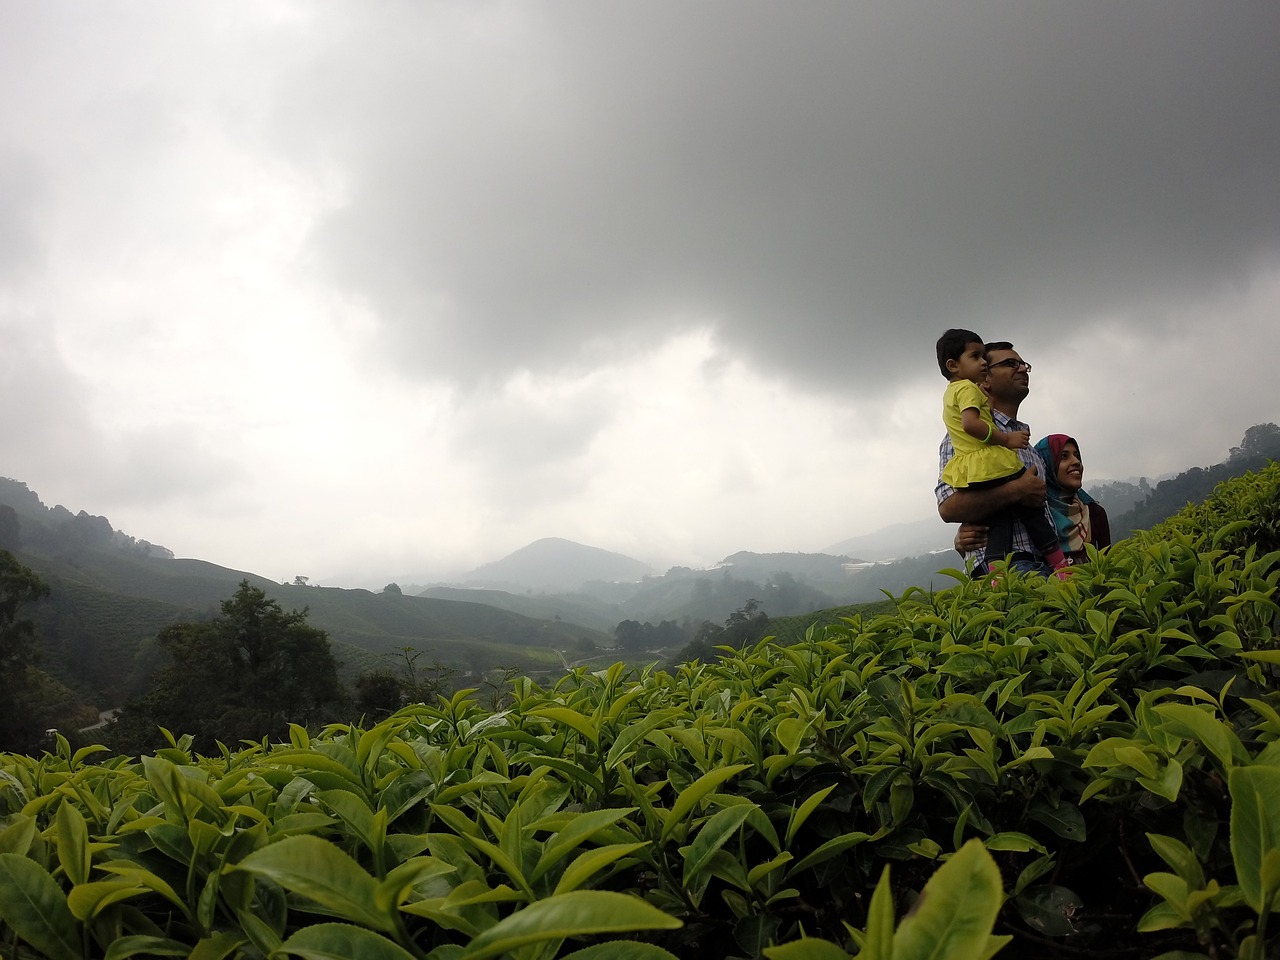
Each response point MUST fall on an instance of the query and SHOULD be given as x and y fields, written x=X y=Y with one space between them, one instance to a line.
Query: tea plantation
x=1042 y=769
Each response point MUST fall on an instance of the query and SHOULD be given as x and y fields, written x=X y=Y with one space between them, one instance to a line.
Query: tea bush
x=1034 y=770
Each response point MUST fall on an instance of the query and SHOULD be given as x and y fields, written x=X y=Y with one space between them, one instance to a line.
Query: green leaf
x=1180 y=857
x=636 y=731
x=955 y=912
x=878 y=943
x=573 y=914
x=570 y=718
x=1255 y=829
x=621 y=950
x=317 y=869
x=340 y=941
x=831 y=848
x=790 y=733
x=591 y=862
x=87 y=900
x=713 y=835
x=1050 y=910
x=18 y=835
x=73 y=843
x=1064 y=819
x=805 y=810
x=1014 y=842
x=218 y=946
x=146 y=946
x=807 y=948
x=691 y=795
x=1192 y=723
x=34 y=906
x=1262 y=656
x=574 y=833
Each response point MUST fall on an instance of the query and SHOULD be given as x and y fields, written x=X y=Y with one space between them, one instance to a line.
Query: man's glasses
x=1013 y=363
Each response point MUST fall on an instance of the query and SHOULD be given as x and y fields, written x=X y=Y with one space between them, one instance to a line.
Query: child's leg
x=1000 y=525
x=1043 y=535
x=999 y=535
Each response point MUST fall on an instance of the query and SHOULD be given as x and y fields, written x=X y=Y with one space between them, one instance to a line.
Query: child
x=984 y=456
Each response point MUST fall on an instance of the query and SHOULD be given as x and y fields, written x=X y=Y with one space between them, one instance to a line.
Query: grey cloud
x=53 y=439
x=22 y=188
x=830 y=186
x=529 y=452
x=43 y=404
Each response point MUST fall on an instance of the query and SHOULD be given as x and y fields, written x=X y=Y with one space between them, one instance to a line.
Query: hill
x=112 y=594
x=554 y=565
x=898 y=540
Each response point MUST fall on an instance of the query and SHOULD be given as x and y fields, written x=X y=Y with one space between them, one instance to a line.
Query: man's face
x=1007 y=382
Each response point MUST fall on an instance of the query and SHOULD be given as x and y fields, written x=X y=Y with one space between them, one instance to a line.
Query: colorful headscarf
x=1050 y=449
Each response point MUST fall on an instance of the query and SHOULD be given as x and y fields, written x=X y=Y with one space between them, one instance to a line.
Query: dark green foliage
x=1260 y=444
x=242 y=676
x=21 y=713
x=746 y=625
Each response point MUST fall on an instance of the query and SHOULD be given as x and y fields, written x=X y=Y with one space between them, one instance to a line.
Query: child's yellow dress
x=974 y=461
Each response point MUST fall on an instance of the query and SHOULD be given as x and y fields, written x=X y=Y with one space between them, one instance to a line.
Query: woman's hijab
x=1050 y=450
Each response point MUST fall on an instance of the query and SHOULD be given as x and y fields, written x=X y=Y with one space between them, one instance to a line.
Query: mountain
x=554 y=565
x=581 y=609
x=110 y=595
x=899 y=540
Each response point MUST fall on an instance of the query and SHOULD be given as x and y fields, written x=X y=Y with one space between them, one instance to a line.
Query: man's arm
x=975 y=506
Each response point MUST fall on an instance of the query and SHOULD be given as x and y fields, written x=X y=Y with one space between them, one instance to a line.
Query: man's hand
x=1028 y=489
x=970 y=537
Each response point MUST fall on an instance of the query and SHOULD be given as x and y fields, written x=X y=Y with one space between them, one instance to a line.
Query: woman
x=1079 y=518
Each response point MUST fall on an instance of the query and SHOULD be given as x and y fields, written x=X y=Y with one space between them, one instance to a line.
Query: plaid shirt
x=1029 y=457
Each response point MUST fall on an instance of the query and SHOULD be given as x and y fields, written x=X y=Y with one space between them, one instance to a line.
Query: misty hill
x=576 y=608
x=111 y=595
x=783 y=583
x=898 y=540
x=554 y=565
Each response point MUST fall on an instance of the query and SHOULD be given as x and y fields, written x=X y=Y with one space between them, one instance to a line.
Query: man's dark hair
x=998 y=345
x=951 y=346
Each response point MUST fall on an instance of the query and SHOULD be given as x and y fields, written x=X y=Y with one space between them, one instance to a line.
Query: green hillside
x=110 y=595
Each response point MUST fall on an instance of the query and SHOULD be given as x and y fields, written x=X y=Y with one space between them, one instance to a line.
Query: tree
x=244 y=675
x=1260 y=440
x=378 y=694
x=630 y=635
x=10 y=529
x=393 y=589
x=21 y=724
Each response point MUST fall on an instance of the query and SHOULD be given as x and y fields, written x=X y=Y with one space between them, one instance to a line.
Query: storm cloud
x=340 y=287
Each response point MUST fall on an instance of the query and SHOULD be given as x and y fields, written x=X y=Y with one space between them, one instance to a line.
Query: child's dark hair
x=951 y=346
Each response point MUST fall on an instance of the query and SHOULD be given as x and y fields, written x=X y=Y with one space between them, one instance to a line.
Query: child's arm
x=980 y=430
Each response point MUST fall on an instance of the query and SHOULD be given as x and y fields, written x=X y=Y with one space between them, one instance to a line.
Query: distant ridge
x=912 y=539
x=553 y=564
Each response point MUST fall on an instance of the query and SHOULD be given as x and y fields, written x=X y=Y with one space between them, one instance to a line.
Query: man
x=1007 y=384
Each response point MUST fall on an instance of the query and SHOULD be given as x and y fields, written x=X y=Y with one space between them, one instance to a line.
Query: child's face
x=972 y=364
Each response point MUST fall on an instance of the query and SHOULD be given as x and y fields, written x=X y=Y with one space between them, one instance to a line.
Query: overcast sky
x=355 y=290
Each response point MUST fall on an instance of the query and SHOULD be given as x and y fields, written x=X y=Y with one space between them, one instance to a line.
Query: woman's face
x=1070 y=468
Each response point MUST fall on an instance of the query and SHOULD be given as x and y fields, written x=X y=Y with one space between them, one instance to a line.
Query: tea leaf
x=1255 y=829
x=340 y=941
x=954 y=914
x=577 y=913
x=34 y=906
x=621 y=950
x=317 y=869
